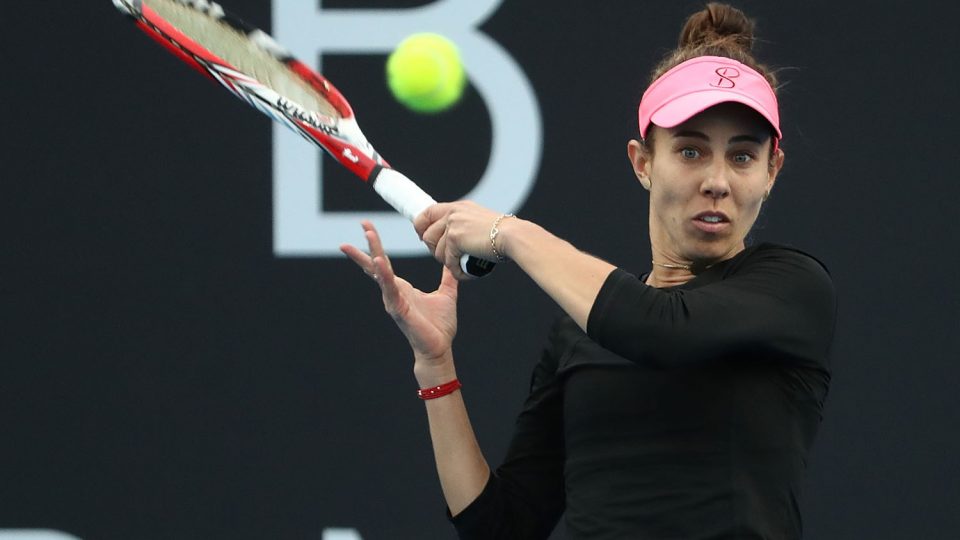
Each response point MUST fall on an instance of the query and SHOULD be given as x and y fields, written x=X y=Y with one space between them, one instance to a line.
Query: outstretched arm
x=429 y=322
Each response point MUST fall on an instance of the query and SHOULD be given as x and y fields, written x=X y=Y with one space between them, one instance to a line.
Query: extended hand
x=428 y=320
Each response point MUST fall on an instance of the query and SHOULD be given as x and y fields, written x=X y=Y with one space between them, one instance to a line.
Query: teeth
x=711 y=219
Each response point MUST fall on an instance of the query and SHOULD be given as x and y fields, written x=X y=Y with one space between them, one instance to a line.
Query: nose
x=715 y=184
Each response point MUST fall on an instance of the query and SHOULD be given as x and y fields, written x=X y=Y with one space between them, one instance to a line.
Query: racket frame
x=341 y=137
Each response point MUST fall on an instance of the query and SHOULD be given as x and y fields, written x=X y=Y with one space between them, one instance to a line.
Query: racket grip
x=407 y=198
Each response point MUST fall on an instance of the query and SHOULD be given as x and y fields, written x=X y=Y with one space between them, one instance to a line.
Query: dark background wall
x=164 y=375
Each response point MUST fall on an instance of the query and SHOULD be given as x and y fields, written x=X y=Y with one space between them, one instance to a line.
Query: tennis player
x=681 y=403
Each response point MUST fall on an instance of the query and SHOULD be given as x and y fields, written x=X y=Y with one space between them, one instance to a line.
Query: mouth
x=711 y=222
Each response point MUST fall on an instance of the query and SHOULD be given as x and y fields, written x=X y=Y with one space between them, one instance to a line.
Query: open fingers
x=388 y=286
x=376 y=250
x=373 y=239
x=361 y=259
x=365 y=260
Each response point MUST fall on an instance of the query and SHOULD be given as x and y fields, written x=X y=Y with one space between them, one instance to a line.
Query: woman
x=678 y=405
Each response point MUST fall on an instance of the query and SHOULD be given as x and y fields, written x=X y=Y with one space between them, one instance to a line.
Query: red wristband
x=439 y=391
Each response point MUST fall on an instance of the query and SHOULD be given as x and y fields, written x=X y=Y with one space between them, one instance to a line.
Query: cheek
x=661 y=200
x=668 y=199
x=752 y=194
x=749 y=202
x=665 y=189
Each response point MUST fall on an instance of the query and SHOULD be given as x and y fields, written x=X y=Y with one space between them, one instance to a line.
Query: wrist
x=498 y=255
x=440 y=390
x=434 y=373
x=513 y=233
x=508 y=227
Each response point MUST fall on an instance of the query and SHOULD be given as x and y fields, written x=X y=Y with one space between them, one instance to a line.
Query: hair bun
x=716 y=30
x=718 y=25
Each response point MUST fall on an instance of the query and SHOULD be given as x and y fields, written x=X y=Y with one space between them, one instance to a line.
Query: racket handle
x=407 y=198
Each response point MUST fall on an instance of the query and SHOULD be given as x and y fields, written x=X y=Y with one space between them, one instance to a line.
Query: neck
x=668 y=277
x=670 y=270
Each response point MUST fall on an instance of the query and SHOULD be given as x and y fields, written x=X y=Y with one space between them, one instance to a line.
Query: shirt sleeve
x=524 y=497
x=778 y=303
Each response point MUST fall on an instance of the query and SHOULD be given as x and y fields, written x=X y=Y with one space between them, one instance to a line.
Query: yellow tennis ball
x=425 y=73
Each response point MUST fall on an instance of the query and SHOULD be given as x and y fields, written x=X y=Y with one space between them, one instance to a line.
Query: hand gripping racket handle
x=407 y=198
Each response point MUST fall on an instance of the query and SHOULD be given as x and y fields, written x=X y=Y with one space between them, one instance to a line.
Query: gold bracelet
x=494 y=231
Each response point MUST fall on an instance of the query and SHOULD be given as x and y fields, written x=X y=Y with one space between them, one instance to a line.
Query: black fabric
x=688 y=412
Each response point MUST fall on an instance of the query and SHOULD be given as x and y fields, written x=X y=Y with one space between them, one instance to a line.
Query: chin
x=705 y=253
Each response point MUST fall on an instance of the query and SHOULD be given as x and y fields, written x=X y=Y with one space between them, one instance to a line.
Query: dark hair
x=716 y=30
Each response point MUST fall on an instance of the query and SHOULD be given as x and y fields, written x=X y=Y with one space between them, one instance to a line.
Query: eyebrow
x=691 y=134
x=703 y=136
x=745 y=138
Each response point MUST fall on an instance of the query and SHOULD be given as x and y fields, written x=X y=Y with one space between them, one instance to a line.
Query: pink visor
x=700 y=83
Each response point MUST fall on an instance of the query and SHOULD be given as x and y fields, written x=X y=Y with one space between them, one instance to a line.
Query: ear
x=776 y=164
x=640 y=161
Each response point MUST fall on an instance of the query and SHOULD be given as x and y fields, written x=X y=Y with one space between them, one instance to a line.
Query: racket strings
x=242 y=53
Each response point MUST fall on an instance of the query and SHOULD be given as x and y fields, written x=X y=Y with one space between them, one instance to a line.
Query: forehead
x=727 y=118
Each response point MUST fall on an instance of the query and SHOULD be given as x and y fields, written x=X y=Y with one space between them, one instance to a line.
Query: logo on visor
x=727 y=75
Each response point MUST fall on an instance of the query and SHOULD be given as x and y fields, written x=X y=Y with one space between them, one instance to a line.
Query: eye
x=689 y=153
x=742 y=158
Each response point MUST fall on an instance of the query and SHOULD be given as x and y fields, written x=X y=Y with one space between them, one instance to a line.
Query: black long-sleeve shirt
x=684 y=412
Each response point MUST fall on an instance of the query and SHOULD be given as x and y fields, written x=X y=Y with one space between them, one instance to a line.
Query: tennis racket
x=255 y=68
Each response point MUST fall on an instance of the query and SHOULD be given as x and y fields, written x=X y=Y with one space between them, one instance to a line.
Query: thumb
x=430 y=214
x=448 y=283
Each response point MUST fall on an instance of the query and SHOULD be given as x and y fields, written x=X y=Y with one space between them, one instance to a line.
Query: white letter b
x=301 y=227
